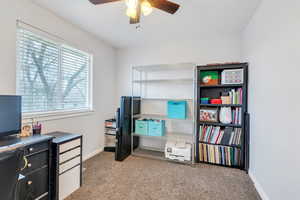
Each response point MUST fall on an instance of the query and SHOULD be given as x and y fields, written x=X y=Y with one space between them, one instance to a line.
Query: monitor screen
x=10 y=115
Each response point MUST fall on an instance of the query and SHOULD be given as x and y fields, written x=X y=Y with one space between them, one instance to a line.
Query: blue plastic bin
x=177 y=109
x=141 y=127
x=156 y=127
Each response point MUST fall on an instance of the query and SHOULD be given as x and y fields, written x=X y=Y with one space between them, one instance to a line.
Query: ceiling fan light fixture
x=136 y=8
x=132 y=6
x=132 y=3
x=131 y=12
x=146 y=8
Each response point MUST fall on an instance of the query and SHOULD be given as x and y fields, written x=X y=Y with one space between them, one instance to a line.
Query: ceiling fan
x=137 y=7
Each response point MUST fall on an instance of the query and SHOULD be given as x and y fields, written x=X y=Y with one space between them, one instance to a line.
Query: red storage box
x=216 y=101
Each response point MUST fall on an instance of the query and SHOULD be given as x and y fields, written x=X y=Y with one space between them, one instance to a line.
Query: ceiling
x=195 y=19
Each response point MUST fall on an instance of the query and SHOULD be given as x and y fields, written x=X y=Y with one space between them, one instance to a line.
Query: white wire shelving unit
x=156 y=85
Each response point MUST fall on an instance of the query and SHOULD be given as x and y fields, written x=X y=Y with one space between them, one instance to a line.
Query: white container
x=233 y=76
x=178 y=151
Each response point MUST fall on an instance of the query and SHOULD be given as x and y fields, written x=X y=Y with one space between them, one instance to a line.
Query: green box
x=209 y=77
x=141 y=127
x=156 y=127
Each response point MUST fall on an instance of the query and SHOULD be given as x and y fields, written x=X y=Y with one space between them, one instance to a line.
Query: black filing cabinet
x=35 y=181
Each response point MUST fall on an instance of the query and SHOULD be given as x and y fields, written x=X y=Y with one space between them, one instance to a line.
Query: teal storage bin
x=141 y=127
x=156 y=127
x=177 y=109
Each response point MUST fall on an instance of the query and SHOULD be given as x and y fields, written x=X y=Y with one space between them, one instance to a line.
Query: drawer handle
x=31 y=149
x=29 y=182
x=26 y=163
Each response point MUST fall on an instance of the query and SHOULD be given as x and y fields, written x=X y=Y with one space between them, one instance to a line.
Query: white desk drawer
x=68 y=165
x=70 y=154
x=69 y=182
x=69 y=145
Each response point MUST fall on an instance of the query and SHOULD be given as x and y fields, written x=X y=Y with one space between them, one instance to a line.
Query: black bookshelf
x=214 y=91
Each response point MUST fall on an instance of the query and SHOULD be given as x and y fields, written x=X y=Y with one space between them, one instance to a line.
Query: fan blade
x=96 y=2
x=165 y=5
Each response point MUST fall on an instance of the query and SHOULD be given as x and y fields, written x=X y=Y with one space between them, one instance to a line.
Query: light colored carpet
x=146 y=179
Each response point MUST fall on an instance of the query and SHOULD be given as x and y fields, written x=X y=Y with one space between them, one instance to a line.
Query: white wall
x=272 y=46
x=204 y=51
x=91 y=126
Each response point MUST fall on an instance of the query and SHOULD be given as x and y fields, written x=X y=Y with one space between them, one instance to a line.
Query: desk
x=36 y=181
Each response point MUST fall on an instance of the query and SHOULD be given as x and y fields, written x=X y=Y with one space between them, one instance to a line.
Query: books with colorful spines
x=205 y=153
x=212 y=135
x=215 y=135
x=220 y=154
x=207 y=134
x=236 y=158
x=234 y=136
x=228 y=156
x=223 y=155
x=220 y=137
x=235 y=97
x=238 y=136
x=203 y=132
x=237 y=115
x=212 y=154
x=240 y=116
x=208 y=152
x=231 y=138
x=216 y=154
x=227 y=135
x=232 y=156
x=209 y=131
x=200 y=152
x=241 y=95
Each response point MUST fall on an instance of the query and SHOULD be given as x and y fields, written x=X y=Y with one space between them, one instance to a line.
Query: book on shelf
x=236 y=116
x=215 y=135
x=221 y=155
x=236 y=96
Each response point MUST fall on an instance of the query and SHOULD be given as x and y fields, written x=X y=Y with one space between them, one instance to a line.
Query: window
x=51 y=76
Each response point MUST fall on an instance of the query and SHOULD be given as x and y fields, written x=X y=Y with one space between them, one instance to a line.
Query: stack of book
x=219 y=155
x=213 y=134
x=236 y=116
x=236 y=96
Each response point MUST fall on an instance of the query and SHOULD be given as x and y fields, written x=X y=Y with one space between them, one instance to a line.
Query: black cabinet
x=34 y=181
x=35 y=185
x=36 y=162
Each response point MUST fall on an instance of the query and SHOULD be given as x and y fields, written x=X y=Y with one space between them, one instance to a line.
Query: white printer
x=178 y=150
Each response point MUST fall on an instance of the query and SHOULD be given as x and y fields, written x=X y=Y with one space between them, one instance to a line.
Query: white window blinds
x=51 y=76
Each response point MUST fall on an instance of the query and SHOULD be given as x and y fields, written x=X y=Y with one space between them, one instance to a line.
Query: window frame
x=60 y=43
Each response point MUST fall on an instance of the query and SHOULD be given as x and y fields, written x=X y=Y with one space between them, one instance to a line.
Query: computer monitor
x=10 y=115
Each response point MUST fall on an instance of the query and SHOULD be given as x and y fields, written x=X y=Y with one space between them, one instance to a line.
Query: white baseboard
x=92 y=154
x=263 y=195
